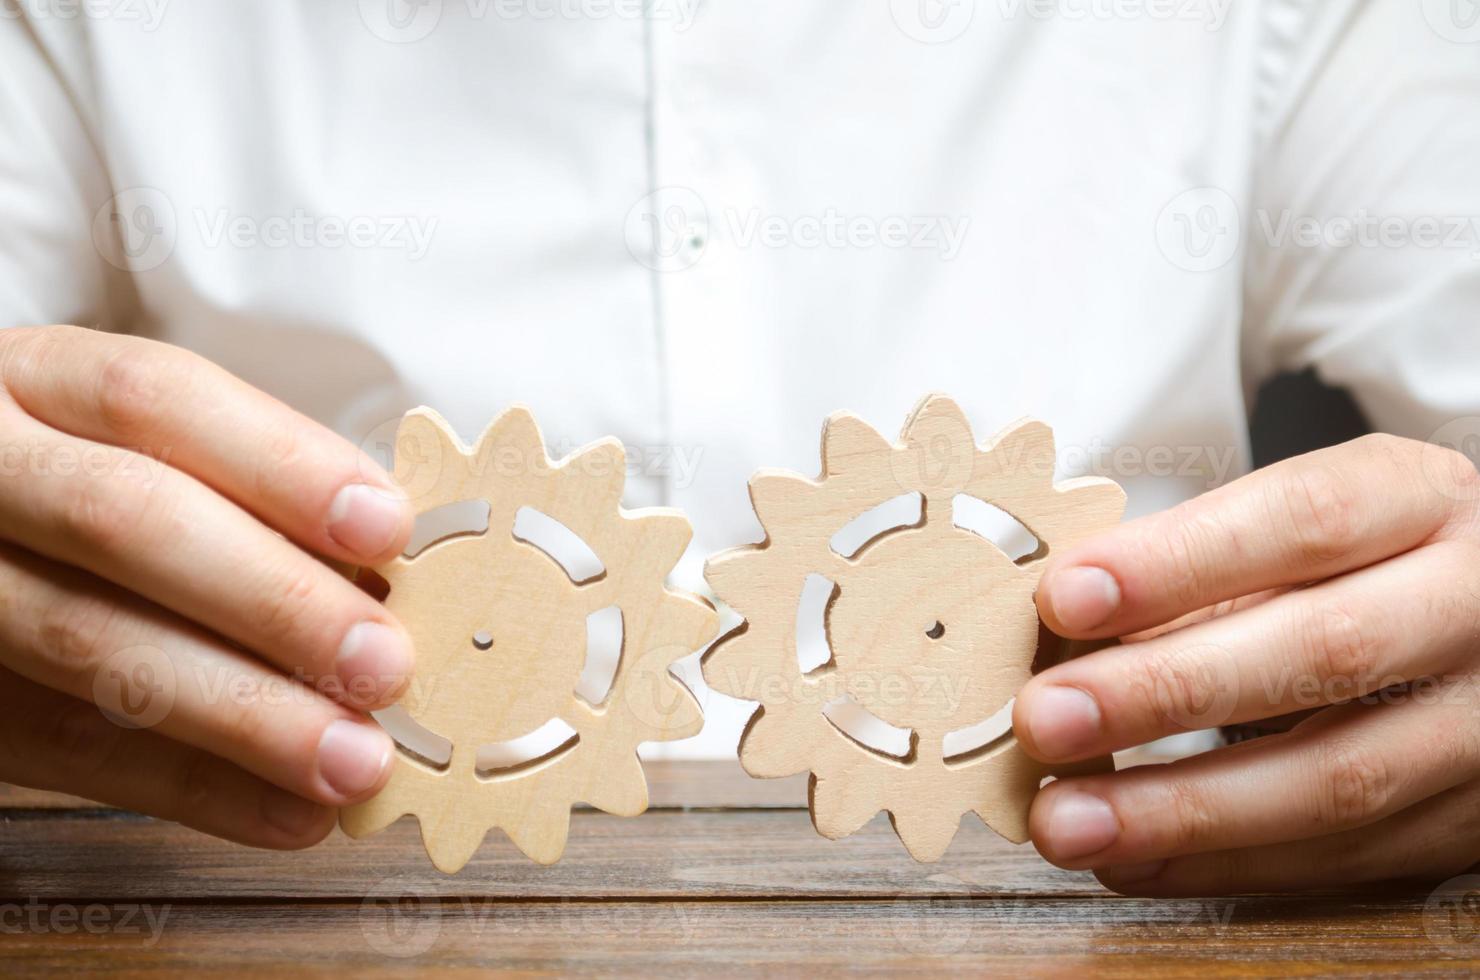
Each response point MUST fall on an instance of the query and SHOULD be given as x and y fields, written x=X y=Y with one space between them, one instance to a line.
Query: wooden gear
x=931 y=627
x=467 y=589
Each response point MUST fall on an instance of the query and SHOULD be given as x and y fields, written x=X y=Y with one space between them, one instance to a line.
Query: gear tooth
x=1014 y=777
x=602 y=466
x=647 y=692
x=840 y=806
x=373 y=815
x=513 y=432
x=938 y=448
x=1022 y=454
x=778 y=498
x=430 y=459
x=681 y=625
x=849 y=443
x=770 y=748
x=684 y=718
x=541 y=836
x=738 y=665
x=406 y=787
x=740 y=576
x=453 y=843
x=662 y=533
x=621 y=788
x=925 y=828
x=935 y=416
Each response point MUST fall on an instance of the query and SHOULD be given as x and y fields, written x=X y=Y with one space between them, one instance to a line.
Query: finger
x=1389 y=624
x=1297 y=521
x=170 y=539
x=1225 y=608
x=1345 y=767
x=54 y=742
x=83 y=637
x=180 y=409
x=1436 y=838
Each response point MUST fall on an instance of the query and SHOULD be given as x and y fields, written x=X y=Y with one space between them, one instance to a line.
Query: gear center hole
x=937 y=630
x=482 y=640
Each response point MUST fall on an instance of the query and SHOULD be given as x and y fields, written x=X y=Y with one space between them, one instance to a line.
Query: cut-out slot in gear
x=500 y=630
x=932 y=629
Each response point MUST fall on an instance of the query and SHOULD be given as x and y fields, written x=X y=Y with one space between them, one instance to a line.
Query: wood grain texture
x=683 y=892
x=500 y=630
x=1109 y=937
x=931 y=628
x=671 y=855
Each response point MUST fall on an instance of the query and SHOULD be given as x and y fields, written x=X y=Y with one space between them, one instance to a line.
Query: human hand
x=159 y=520
x=1347 y=579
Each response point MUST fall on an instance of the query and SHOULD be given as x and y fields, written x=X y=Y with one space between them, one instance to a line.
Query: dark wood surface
x=724 y=876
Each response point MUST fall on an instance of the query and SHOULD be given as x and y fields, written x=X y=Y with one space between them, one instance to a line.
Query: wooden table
x=723 y=876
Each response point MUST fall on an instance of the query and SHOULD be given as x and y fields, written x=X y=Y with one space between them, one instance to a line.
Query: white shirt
x=1115 y=215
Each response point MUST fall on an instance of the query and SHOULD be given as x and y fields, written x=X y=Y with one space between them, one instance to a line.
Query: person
x=273 y=227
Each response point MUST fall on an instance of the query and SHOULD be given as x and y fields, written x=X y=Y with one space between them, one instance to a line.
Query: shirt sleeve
x=52 y=183
x=1363 y=224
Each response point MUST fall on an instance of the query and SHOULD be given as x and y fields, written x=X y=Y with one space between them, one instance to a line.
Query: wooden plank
x=1115 y=937
x=667 y=854
x=672 y=784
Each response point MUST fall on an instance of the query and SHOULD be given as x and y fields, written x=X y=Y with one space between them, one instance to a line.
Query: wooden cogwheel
x=930 y=628
x=500 y=631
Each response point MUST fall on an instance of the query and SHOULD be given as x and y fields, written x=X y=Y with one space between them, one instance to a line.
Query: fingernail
x=1080 y=824
x=1083 y=596
x=365 y=519
x=374 y=662
x=1063 y=722
x=1129 y=874
x=290 y=813
x=352 y=757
